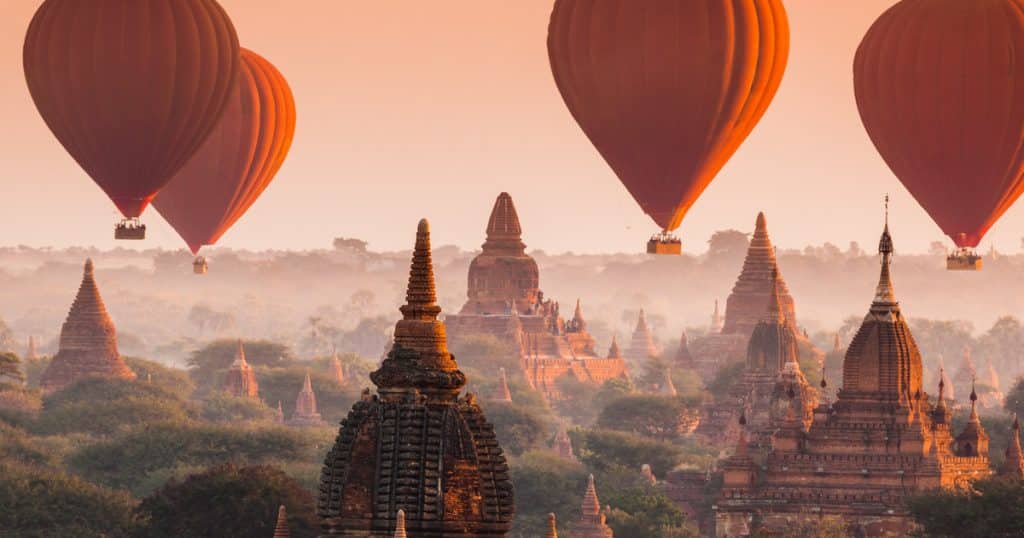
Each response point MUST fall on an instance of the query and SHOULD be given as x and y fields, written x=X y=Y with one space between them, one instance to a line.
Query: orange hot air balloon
x=130 y=88
x=238 y=160
x=667 y=90
x=940 y=88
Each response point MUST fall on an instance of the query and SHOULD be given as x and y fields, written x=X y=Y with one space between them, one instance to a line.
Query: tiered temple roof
x=683 y=359
x=505 y=301
x=417 y=445
x=641 y=345
x=592 y=519
x=240 y=380
x=88 y=341
x=772 y=384
x=745 y=305
x=306 y=413
x=879 y=442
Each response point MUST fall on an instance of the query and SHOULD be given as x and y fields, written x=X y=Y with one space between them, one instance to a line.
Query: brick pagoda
x=771 y=384
x=416 y=445
x=88 y=341
x=641 y=345
x=306 y=413
x=882 y=440
x=592 y=518
x=337 y=372
x=240 y=379
x=505 y=301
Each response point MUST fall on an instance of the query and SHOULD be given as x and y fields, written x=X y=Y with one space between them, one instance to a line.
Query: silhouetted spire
x=613 y=349
x=717 y=321
x=337 y=372
x=837 y=345
x=579 y=324
x=281 y=528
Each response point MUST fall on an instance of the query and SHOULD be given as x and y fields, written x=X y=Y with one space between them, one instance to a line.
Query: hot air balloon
x=940 y=89
x=667 y=90
x=238 y=160
x=130 y=88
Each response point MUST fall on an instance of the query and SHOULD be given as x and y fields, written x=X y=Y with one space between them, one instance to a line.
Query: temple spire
x=885 y=296
x=716 y=320
x=503 y=394
x=400 y=525
x=1013 y=465
x=578 y=323
x=419 y=359
x=775 y=312
x=503 y=229
x=667 y=388
x=281 y=528
x=591 y=504
x=613 y=350
x=552 y=528
x=239 y=361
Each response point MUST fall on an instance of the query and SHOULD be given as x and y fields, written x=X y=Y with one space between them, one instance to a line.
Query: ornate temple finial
x=577 y=317
x=552 y=527
x=281 y=529
x=503 y=229
x=824 y=384
x=419 y=358
x=400 y=524
x=885 y=296
x=942 y=383
x=761 y=224
x=88 y=269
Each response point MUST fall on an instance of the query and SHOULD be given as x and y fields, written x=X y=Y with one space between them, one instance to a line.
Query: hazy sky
x=410 y=108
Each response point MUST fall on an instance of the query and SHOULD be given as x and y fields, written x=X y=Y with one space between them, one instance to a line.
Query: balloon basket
x=130 y=229
x=963 y=260
x=200 y=266
x=665 y=244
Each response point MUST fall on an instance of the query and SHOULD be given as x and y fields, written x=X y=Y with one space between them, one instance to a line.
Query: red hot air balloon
x=130 y=88
x=667 y=90
x=237 y=161
x=940 y=88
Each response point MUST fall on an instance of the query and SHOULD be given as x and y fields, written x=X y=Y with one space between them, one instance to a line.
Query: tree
x=545 y=483
x=9 y=368
x=107 y=406
x=645 y=513
x=42 y=503
x=348 y=244
x=989 y=507
x=1014 y=402
x=126 y=460
x=603 y=449
x=658 y=417
x=727 y=246
x=244 y=503
x=220 y=406
x=208 y=363
x=518 y=429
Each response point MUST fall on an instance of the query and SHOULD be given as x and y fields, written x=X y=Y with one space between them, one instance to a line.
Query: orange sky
x=410 y=108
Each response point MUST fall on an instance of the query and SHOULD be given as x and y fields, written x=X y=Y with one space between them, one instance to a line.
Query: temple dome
x=503 y=274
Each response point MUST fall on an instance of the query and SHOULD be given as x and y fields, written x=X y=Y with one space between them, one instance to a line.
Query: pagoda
x=88 y=341
x=337 y=372
x=880 y=441
x=551 y=530
x=504 y=300
x=31 y=353
x=683 y=359
x=306 y=413
x=641 y=345
x=240 y=379
x=1013 y=465
x=281 y=529
x=745 y=306
x=416 y=445
x=563 y=445
x=592 y=519
x=771 y=386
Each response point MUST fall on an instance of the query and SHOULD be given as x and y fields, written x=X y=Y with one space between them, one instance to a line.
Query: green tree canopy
x=107 y=406
x=992 y=507
x=207 y=364
x=220 y=406
x=603 y=449
x=10 y=370
x=45 y=503
x=545 y=483
x=518 y=428
x=658 y=417
x=227 y=500
x=126 y=460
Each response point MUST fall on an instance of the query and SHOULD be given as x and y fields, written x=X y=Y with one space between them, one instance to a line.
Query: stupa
x=745 y=306
x=771 y=383
x=563 y=445
x=505 y=301
x=281 y=529
x=88 y=341
x=683 y=359
x=502 y=394
x=416 y=445
x=1013 y=465
x=592 y=519
x=641 y=345
x=306 y=413
x=551 y=531
x=240 y=379
x=881 y=441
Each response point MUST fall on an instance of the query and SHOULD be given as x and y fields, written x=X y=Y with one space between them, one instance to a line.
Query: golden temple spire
x=552 y=528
